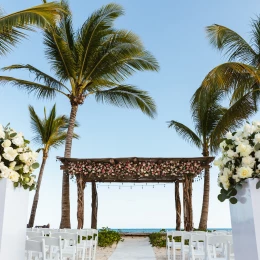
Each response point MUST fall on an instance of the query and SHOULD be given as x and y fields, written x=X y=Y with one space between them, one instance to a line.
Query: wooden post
x=94 y=206
x=187 y=203
x=80 y=213
x=177 y=206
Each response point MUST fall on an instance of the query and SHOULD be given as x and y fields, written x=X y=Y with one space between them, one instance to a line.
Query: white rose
x=12 y=165
x=26 y=169
x=227 y=172
x=20 y=150
x=31 y=182
x=244 y=149
x=2 y=133
x=244 y=172
x=231 y=154
x=247 y=129
x=229 y=135
x=248 y=161
x=256 y=123
x=226 y=185
x=257 y=138
x=18 y=140
x=223 y=145
x=5 y=173
x=218 y=163
x=6 y=143
x=14 y=176
x=2 y=166
x=24 y=157
x=223 y=178
x=9 y=153
x=236 y=178
x=226 y=159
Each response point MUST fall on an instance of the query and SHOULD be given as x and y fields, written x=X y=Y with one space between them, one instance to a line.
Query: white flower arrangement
x=17 y=160
x=240 y=160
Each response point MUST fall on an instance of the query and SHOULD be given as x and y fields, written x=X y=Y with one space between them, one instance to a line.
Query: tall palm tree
x=12 y=25
x=211 y=121
x=240 y=75
x=50 y=132
x=94 y=60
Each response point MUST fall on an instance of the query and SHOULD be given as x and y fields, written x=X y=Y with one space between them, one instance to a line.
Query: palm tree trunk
x=65 y=210
x=205 y=205
x=36 y=196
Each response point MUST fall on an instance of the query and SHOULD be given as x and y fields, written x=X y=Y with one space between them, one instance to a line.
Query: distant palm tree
x=95 y=60
x=240 y=76
x=211 y=121
x=11 y=25
x=50 y=132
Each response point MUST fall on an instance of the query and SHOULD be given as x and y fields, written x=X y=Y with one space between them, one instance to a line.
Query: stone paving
x=133 y=249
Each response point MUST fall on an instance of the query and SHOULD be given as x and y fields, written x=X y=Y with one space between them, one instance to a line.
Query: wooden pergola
x=137 y=170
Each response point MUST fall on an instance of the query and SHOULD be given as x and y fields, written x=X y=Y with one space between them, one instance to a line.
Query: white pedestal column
x=13 y=218
x=245 y=219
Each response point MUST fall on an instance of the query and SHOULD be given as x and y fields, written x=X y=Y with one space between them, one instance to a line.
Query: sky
x=174 y=31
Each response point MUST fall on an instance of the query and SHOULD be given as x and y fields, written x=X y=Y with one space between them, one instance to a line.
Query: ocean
x=152 y=230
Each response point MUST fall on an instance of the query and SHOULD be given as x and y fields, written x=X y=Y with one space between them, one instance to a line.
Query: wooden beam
x=177 y=206
x=187 y=204
x=94 y=206
x=80 y=212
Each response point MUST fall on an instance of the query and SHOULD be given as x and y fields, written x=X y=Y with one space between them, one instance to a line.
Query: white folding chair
x=35 y=250
x=185 y=248
x=219 y=247
x=70 y=246
x=197 y=248
x=32 y=234
x=53 y=247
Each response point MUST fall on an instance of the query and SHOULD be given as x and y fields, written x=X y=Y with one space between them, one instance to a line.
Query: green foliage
x=158 y=239
x=107 y=237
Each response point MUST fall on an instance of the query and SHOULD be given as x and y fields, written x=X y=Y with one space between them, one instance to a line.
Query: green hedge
x=107 y=237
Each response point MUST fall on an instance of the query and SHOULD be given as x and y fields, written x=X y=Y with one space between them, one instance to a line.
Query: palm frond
x=228 y=77
x=129 y=97
x=92 y=33
x=233 y=118
x=40 y=15
x=51 y=131
x=9 y=39
x=186 y=133
x=59 y=54
x=39 y=76
x=39 y=90
x=235 y=47
x=119 y=57
x=37 y=126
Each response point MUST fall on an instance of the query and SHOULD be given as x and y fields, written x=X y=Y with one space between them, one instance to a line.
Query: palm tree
x=211 y=121
x=95 y=60
x=11 y=25
x=241 y=74
x=50 y=132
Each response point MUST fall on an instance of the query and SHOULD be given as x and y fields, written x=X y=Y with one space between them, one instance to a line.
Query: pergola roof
x=135 y=169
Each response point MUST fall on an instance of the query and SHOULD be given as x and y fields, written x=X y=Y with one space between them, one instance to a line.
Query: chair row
x=76 y=245
x=202 y=246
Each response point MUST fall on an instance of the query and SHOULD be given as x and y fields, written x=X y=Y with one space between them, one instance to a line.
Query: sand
x=160 y=253
x=103 y=253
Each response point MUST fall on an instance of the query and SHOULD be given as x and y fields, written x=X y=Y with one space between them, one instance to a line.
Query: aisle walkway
x=133 y=249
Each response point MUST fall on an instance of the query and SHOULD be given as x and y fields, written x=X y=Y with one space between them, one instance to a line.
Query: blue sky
x=174 y=31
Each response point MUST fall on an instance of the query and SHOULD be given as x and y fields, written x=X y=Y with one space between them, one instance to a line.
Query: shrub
x=107 y=237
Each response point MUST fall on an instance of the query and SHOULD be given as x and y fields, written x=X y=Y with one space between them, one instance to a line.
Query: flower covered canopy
x=136 y=169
